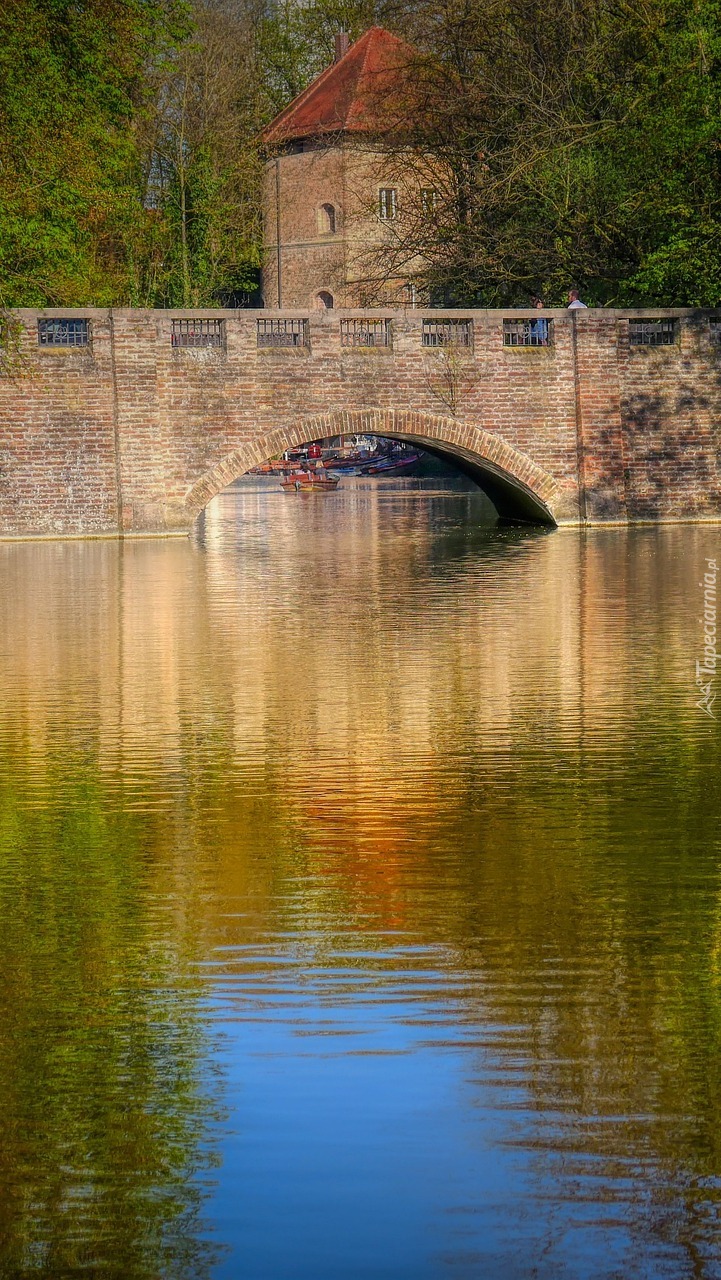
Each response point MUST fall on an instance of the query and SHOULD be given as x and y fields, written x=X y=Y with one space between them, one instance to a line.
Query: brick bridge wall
x=133 y=435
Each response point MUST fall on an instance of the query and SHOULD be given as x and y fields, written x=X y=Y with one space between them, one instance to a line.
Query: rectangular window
x=447 y=333
x=64 y=333
x=429 y=201
x=197 y=333
x=387 y=204
x=365 y=333
x=527 y=333
x=283 y=333
x=652 y=333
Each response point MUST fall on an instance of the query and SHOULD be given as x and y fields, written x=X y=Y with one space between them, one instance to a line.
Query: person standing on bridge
x=538 y=329
x=574 y=302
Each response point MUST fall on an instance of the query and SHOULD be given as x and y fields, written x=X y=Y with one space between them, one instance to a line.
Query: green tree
x=71 y=79
x=129 y=163
x=200 y=163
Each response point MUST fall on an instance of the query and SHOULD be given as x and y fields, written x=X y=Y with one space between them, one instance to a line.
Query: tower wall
x=362 y=262
x=311 y=259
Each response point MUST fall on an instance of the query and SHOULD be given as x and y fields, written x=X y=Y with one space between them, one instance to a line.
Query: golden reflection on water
x=363 y=760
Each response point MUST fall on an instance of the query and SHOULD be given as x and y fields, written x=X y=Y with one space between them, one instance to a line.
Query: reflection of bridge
x=130 y=421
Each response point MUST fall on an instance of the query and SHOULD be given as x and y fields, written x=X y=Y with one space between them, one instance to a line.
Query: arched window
x=326 y=219
x=324 y=300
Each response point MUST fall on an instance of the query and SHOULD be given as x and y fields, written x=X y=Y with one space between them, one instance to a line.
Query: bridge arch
x=518 y=487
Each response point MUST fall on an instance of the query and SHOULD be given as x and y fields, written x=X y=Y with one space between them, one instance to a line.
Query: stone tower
x=333 y=199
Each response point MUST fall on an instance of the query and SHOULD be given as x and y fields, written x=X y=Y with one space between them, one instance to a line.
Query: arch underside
x=519 y=489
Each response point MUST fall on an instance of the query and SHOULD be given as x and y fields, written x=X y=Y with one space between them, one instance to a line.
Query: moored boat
x=276 y=467
x=351 y=463
x=399 y=465
x=309 y=482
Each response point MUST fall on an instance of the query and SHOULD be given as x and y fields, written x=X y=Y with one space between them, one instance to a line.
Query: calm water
x=360 y=899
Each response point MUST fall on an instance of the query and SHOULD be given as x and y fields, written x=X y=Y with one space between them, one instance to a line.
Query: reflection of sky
x=373 y=1160
x=380 y=1130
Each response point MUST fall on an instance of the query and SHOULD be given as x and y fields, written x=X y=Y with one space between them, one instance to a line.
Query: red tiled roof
x=362 y=92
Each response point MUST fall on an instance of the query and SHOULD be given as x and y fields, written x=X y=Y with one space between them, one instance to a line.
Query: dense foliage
x=579 y=142
x=127 y=153
x=584 y=143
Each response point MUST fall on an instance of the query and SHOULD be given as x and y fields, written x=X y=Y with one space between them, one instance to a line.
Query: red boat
x=273 y=468
x=309 y=482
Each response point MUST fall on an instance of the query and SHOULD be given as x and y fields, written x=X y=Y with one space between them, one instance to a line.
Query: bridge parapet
x=115 y=421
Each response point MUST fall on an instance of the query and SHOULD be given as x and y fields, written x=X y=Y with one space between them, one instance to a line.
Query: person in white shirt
x=574 y=302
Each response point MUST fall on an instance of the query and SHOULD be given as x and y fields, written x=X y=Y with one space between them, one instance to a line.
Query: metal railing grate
x=365 y=333
x=64 y=333
x=537 y=332
x=197 y=333
x=447 y=333
x=283 y=333
x=652 y=333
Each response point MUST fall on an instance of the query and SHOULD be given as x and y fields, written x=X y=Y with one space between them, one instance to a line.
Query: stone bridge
x=130 y=421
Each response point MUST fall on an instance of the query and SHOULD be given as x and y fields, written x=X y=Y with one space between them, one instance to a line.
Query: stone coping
x=328 y=318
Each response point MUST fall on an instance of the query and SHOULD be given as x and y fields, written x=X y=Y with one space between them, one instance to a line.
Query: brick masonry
x=354 y=263
x=134 y=436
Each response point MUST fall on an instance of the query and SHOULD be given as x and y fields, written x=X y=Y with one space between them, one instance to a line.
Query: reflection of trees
x=105 y=1104
x=590 y=928
x=479 y=743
